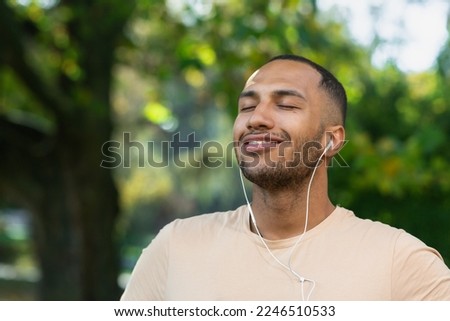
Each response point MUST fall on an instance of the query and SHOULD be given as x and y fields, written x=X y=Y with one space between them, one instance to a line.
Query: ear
x=336 y=134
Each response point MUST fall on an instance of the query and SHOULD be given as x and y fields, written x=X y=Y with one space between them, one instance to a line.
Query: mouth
x=253 y=143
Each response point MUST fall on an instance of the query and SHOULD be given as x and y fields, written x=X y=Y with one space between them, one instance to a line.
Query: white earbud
x=330 y=145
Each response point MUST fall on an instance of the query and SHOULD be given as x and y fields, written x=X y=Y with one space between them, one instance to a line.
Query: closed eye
x=288 y=107
x=247 y=108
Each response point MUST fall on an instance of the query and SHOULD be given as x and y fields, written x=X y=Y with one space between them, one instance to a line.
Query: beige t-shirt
x=217 y=257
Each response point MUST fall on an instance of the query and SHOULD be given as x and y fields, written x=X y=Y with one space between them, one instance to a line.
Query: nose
x=261 y=117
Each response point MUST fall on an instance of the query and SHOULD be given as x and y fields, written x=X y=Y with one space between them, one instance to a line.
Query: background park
x=94 y=93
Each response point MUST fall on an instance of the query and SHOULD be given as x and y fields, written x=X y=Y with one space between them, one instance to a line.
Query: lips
x=260 y=142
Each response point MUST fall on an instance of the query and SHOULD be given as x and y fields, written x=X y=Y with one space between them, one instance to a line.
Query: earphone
x=300 y=278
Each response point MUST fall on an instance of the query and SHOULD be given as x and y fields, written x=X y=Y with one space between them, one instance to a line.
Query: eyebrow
x=288 y=92
x=248 y=93
x=277 y=93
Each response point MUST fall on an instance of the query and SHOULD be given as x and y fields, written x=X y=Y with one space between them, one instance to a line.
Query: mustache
x=282 y=135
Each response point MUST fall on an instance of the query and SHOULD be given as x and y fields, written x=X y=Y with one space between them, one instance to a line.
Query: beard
x=285 y=174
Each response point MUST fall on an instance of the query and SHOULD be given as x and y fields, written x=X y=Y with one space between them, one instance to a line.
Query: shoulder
x=407 y=257
x=376 y=237
x=349 y=223
x=414 y=260
x=400 y=239
x=206 y=223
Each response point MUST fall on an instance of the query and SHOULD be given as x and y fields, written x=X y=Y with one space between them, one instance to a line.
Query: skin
x=283 y=99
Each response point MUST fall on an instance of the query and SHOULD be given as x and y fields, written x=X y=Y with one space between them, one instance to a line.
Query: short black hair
x=329 y=82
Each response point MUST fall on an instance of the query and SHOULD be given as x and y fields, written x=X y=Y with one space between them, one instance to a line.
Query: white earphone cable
x=288 y=267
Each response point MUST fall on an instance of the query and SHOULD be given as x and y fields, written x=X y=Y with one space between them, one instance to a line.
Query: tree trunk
x=74 y=205
x=57 y=175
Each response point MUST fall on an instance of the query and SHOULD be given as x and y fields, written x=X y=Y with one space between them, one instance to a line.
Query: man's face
x=278 y=131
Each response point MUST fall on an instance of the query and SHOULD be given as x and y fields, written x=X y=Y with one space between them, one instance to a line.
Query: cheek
x=239 y=127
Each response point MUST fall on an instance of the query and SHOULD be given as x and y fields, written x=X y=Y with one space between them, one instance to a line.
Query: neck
x=282 y=213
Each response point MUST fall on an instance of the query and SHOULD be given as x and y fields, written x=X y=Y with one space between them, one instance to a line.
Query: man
x=291 y=242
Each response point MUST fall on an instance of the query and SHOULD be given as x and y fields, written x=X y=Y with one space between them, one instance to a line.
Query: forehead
x=285 y=74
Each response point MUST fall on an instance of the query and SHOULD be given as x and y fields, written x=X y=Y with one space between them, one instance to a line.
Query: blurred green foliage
x=179 y=68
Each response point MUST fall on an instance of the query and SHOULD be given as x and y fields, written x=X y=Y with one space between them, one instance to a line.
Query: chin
x=276 y=177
